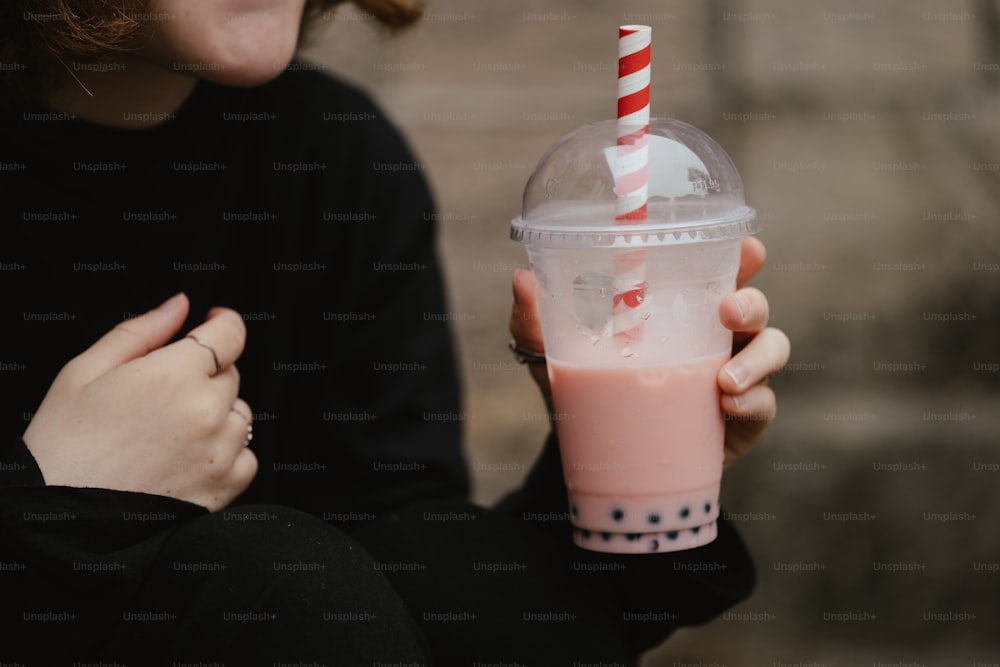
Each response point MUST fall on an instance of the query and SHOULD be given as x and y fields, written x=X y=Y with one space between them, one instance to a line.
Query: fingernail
x=737 y=373
x=743 y=306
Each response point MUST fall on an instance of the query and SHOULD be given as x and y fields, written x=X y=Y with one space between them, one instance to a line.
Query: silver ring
x=249 y=421
x=525 y=356
x=215 y=357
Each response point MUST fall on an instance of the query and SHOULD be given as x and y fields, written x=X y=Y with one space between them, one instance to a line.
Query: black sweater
x=299 y=206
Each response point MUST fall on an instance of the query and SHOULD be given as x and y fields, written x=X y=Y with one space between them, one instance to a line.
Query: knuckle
x=758 y=302
x=203 y=414
x=126 y=327
x=763 y=405
x=244 y=469
x=231 y=332
x=234 y=372
x=781 y=342
x=71 y=370
x=235 y=323
x=785 y=341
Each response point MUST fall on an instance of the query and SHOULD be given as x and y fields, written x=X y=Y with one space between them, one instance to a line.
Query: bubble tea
x=630 y=320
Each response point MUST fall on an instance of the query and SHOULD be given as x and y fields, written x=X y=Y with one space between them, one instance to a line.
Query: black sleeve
x=64 y=548
x=18 y=467
x=673 y=589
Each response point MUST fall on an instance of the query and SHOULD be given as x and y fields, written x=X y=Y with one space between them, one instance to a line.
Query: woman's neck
x=126 y=93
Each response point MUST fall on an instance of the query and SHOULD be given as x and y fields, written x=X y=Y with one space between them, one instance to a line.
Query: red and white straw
x=634 y=43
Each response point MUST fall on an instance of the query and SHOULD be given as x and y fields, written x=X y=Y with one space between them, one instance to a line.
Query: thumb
x=134 y=338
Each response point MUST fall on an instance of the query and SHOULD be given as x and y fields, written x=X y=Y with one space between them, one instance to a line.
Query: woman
x=163 y=151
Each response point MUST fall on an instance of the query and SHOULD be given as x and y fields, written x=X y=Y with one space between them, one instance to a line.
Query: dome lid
x=694 y=191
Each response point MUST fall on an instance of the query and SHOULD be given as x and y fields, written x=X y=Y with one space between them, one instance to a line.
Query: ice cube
x=592 y=300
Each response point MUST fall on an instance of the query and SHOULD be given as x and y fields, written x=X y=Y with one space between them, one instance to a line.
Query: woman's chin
x=244 y=74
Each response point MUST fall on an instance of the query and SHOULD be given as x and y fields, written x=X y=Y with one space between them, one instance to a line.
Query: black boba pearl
x=606 y=537
x=653 y=518
x=671 y=534
x=654 y=545
x=617 y=514
x=632 y=537
x=685 y=512
x=695 y=529
x=574 y=511
x=708 y=507
x=585 y=534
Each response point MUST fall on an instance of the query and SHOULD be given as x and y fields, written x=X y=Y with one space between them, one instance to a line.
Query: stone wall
x=868 y=137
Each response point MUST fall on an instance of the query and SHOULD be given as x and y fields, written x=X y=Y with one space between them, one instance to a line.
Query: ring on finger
x=215 y=357
x=249 y=421
x=524 y=356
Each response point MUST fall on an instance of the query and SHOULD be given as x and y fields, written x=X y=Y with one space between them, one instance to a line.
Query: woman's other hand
x=133 y=413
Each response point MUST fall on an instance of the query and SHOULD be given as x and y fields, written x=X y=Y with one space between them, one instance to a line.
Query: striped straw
x=633 y=120
x=631 y=180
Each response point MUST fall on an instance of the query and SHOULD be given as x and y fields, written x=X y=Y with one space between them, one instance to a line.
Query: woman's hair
x=40 y=38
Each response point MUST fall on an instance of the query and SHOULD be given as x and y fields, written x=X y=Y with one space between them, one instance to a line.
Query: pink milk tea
x=637 y=405
x=641 y=454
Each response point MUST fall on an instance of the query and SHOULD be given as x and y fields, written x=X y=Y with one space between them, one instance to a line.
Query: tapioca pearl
x=671 y=534
x=708 y=507
x=685 y=512
x=654 y=545
x=585 y=534
x=574 y=511
x=695 y=529
x=653 y=518
x=632 y=537
x=606 y=537
x=618 y=514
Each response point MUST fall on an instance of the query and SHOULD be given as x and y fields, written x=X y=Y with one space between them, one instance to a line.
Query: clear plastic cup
x=636 y=401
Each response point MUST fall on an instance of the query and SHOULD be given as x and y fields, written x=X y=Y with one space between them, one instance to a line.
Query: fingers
x=243 y=465
x=747 y=417
x=747 y=401
x=218 y=341
x=764 y=355
x=242 y=409
x=745 y=310
x=526 y=329
x=232 y=465
x=241 y=474
x=752 y=256
x=524 y=323
x=758 y=403
x=228 y=463
x=133 y=338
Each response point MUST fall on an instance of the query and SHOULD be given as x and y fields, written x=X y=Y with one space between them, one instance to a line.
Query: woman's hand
x=134 y=414
x=759 y=351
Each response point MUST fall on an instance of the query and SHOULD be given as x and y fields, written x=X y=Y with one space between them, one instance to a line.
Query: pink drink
x=637 y=405
x=642 y=452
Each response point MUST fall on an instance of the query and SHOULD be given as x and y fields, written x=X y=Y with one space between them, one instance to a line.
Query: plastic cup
x=638 y=417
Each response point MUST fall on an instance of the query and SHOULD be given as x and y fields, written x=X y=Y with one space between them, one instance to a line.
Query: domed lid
x=694 y=191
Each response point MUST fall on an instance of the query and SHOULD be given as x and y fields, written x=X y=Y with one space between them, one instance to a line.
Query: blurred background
x=868 y=137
